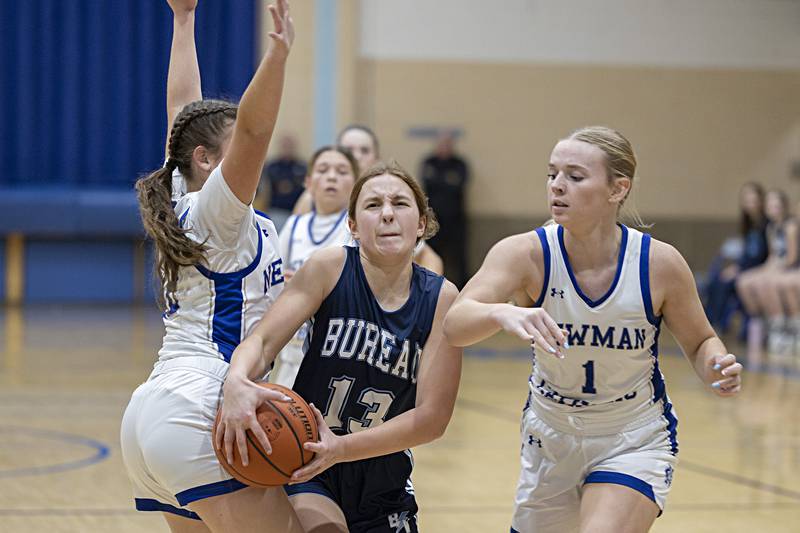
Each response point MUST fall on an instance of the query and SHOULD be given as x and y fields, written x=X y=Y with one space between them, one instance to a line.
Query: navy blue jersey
x=361 y=362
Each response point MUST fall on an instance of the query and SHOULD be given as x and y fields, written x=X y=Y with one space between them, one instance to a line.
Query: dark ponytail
x=202 y=123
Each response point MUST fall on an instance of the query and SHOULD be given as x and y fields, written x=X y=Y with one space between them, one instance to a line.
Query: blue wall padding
x=78 y=271
x=61 y=212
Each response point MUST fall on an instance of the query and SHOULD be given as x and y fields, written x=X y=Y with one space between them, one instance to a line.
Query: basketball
x=288 y=426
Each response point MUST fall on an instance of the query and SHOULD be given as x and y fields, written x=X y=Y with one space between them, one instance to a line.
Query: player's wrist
x=496 y=313
x=344 y=449
x=182 y=18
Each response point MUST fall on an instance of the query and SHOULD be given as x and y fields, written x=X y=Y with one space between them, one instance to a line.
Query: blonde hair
x=620 y=161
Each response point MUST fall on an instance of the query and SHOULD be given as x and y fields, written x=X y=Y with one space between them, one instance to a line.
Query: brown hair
x=620 y=157
x=394 y=169
x=331 y=148
x=201 y=123
x=365 y=129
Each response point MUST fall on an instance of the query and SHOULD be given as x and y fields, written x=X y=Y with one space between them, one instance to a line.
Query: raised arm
x=183 y=77
x=437 y=386
x=674 y=286
x=258 y=110
x=513 y=265
x=298 y=301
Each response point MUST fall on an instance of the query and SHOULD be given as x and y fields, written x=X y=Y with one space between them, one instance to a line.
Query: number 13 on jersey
x=375 y=401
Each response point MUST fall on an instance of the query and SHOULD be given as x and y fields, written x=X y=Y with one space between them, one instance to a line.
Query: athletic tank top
x=609 y=376
x=361 y=362
x=304 y=234
x=220 y=302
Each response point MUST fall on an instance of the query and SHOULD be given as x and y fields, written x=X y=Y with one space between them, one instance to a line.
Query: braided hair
x=201 y=123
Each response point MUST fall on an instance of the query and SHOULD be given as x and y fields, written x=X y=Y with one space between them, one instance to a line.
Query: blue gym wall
x=83 y=107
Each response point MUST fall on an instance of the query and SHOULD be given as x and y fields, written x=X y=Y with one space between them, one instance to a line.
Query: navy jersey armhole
x=542 y=233
x=347 y=276
x=644 y=279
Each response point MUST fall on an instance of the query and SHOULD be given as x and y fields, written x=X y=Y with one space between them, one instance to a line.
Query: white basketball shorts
x=166 y=436
x=557 y=465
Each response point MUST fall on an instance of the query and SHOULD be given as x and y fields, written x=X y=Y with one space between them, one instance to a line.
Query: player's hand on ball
x=725 y=374
x=329 y=451
x=238 y=414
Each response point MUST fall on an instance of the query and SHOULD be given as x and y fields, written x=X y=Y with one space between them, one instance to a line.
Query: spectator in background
x=283 y=179
x=757 y=288
x=737 y=255
x=362 y=142
x=444 y=176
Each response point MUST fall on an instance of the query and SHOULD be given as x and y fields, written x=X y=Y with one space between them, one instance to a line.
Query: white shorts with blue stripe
x=557 y=463
x=166 y=436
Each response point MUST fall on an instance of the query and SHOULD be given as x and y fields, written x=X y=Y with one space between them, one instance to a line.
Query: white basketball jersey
x=304 y=234
x=610 y=370
x=219 y=303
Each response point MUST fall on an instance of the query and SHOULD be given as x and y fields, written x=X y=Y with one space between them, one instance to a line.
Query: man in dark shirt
x=444 y=176
x=282 y=178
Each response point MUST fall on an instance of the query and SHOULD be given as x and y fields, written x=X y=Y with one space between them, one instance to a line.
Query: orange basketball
x=288 y=426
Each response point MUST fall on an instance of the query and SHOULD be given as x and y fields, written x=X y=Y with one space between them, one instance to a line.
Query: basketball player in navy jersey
x=599 y=443
x=377 y=369
x=220 y=269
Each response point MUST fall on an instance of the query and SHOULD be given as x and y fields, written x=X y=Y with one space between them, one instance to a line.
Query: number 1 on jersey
x=588 y=388
x=340 y=390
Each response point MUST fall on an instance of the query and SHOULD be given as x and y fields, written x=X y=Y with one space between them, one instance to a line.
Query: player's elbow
x=453 y=333
x=434 y=425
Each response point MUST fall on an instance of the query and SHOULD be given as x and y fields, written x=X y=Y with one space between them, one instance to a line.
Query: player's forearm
x=183 y=78
x=258 y=109
x=705 y=351
x=414 y=427
x=470 y=321
x=247 y=361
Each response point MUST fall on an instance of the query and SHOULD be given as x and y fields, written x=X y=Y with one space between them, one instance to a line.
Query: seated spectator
x=737 y=255
x=758 y=288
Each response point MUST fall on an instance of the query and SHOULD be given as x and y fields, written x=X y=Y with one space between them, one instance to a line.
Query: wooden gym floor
x=66 y=375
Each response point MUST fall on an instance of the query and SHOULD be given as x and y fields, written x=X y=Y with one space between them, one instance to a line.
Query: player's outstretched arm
x=481 y=309
x=298 y=301
x=684 y=316
x=437 y=386
x=183 y=77
x=258 y=110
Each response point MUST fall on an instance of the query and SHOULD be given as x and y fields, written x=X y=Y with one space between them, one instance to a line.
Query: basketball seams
x=291 y=427
x=297 y=413
x=249 y=436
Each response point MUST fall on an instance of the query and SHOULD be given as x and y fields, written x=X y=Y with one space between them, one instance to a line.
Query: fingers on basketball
x=286 y=425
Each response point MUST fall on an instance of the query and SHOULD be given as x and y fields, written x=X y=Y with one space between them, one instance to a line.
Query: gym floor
x=66 y=374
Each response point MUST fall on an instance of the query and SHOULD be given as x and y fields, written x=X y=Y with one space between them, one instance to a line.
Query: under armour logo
x=266 y=234
x=554 y=292
x=533 y=441
x=668 y=476
x=399 y=521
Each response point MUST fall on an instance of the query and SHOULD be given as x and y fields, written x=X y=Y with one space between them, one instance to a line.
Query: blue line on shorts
x=309 y=487
x=618 y=478
x=206 y=491
x=146 y=504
